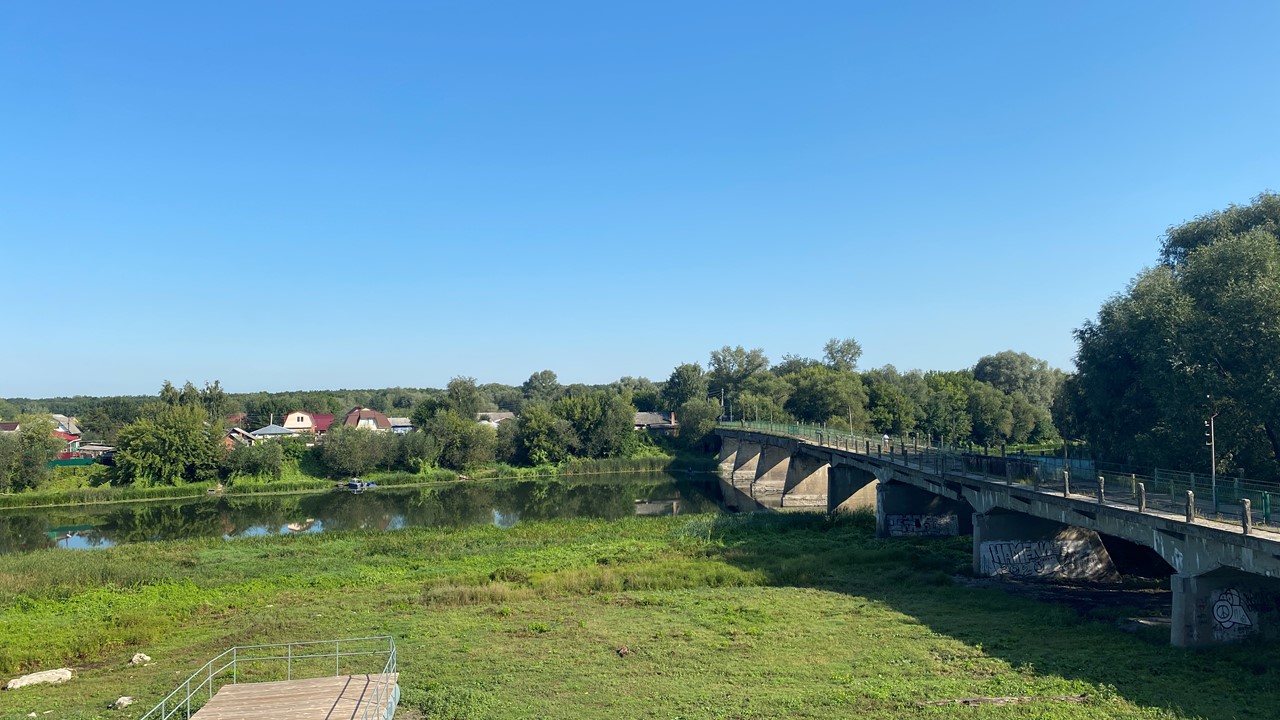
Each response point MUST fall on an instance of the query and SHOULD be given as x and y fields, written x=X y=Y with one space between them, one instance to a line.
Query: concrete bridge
x=1225 y=576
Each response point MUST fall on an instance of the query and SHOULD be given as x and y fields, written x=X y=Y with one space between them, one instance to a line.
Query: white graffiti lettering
x=922 y=525
x=1042 y=558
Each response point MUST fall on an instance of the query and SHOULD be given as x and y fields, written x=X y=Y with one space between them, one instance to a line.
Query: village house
x=307 y=422
x=662 y=422
x=272 y=432
x=366 y=418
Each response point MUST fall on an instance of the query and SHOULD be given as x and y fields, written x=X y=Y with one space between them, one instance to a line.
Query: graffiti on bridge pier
x=1041 y=558
x=923 y=525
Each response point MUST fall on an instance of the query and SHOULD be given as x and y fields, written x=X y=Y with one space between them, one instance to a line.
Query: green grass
x=757 y=616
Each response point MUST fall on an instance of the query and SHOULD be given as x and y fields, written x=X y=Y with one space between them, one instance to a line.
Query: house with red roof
x=308 y=422
x=366 y=418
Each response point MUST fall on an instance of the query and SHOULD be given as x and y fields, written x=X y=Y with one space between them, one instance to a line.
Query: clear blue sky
x=321 y=195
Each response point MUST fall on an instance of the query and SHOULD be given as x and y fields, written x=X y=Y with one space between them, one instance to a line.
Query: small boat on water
x=356 y=485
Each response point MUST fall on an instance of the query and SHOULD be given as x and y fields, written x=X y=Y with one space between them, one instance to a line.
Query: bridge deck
x=331 y=698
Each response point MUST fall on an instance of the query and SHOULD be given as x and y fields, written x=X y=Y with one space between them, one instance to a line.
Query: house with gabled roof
x=308 y=422
x=367 y=418
x=272 y=431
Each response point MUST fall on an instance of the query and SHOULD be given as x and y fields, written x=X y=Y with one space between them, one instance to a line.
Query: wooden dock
x=345 y=697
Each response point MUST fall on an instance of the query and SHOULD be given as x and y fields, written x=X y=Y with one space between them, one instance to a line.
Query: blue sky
x=314 y=195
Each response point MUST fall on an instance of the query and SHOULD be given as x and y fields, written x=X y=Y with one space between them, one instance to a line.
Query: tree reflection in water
x=451 y=505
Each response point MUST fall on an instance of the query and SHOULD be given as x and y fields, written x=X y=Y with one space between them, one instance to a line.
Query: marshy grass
x=752 y=616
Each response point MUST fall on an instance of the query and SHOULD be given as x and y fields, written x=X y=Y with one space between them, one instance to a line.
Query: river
x=502 y=503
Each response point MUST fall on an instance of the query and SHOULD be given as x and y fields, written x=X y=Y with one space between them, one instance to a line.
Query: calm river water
x=500 y=503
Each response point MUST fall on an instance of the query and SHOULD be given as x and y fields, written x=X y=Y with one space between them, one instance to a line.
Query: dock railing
x=287 y=661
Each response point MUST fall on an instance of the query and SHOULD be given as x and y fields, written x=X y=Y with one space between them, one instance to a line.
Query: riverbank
x=67 y=493
x=704 y=616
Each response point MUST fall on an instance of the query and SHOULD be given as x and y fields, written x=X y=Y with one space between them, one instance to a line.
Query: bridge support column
x=1224 y=606
x=807 y=480
x=850 y=488
x=744 y=465
x=728 y=455
x=1015 y=545
x=771 y=476
x=906 y=511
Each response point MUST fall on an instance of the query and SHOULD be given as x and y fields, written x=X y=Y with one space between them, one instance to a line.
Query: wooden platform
x=344 y=697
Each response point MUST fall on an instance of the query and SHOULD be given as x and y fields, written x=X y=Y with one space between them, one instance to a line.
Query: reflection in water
x=503 y=504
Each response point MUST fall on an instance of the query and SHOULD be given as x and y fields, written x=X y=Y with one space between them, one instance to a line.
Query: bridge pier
x=906 y=511
x=1223 y=606
x=850 y=488
x=771 y=476
x=806 y=483
x=745 y=460
x=1014 y=544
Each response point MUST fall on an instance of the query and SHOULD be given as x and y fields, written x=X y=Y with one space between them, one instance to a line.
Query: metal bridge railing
x=269 y=662
x=1242 y=503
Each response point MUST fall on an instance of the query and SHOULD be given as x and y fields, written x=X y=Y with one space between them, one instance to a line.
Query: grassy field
x=760 y=616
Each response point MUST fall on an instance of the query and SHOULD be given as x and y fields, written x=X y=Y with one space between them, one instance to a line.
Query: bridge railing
x=1163 y=490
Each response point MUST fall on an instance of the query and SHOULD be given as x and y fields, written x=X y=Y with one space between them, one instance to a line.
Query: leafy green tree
x=463 y=397
x=842 y=355
x=215 y=400
x=820 y=394
x=173 y=446
x=698 y=418
x=1191 y=337
x=730 y=367
x=7 y=409
x=687 y=382
x=419 y=450
x=1263 y=214
x=353 y=451
x=169 y=394
x=543 y=437
x=792 y=364
x=542 y=386
x=25 y=455
x=604 y=422
x=991 y=412
x=946 y=409
x=464 y=443
x=643 y=392
x=264 y=459
x=890 y=409
x=1014 y=372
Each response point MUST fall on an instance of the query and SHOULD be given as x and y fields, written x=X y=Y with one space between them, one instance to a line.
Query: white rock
x=48 y=676
x=31 y=714
x=123 y=701
x=139 y=659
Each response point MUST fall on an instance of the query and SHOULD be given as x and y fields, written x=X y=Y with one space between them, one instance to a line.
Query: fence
x=1234 y=500
x=286 y=661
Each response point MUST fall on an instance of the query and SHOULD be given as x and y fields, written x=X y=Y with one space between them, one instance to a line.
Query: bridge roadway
x=1225 y=576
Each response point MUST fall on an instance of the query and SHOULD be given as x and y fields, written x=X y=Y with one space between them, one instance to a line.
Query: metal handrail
x=1159 y=493
x=385 y=692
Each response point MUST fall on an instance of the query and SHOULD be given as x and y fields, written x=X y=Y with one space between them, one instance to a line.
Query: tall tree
x=542 y=386
x=687 y=382
x=463 y=397
x=174 y=446
x=842 y=355
x=730 y=367
x=1015 y=372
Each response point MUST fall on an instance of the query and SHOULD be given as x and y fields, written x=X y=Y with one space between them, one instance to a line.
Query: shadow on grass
x=926 y=579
